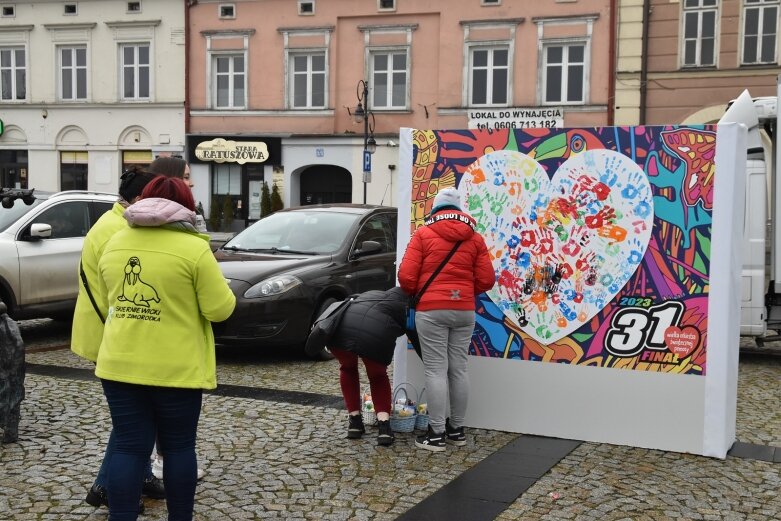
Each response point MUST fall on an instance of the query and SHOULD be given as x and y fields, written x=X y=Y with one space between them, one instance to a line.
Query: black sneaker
x=98 y=496
x=431 y=441
x=355 y=428
x=453 y=435
x=385 y=435
x=153 y=488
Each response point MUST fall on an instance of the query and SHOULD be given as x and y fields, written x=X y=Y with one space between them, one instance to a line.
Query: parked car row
x=285 y=269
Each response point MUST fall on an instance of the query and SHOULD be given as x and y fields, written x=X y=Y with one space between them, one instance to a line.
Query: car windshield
x=8 y=216
x=309 y=232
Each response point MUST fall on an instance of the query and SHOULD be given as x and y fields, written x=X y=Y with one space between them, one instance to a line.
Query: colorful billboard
x=600 y=238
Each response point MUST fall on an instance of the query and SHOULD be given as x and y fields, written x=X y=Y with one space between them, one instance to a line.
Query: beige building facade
x=87 y=88
x=682 y=61
x=290 y=73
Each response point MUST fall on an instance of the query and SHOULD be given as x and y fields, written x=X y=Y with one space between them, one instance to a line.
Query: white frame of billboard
x=674 y=412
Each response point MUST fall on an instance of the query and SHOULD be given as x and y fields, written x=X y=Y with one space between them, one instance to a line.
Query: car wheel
x=325 y=354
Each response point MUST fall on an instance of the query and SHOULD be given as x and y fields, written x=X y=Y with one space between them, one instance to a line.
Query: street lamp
x=362 y=114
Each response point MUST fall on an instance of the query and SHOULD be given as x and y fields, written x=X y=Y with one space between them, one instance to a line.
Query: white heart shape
x=563 y=247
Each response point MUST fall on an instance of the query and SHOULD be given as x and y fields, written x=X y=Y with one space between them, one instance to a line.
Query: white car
x=40 y=248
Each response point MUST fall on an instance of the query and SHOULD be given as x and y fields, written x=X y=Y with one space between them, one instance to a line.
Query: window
x=227 y=11
x=226 y=186
x=98 y=209
x=73 y=73
x=134 y=71
x=307 y=82
x=140 y=158
x=760 y=29
x=229 y=81
x=386 y=5
x=70 y=9
x=489 y=73
x=227 y=179
x=379 y=228
x=9 y=11
x=67 y=220
x=73 y=170
x=389 y=80
x=491 y=2
x=564 y=73
x=305 y=7
x=134 y=7
x=13 y=74
x=699 y=33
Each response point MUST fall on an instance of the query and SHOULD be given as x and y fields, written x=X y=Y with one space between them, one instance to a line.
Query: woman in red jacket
x=445 y=316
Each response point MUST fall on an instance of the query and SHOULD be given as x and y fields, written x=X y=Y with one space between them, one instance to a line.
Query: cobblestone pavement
x=284 y=461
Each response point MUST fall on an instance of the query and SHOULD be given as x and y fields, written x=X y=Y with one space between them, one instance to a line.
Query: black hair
x=132 y=182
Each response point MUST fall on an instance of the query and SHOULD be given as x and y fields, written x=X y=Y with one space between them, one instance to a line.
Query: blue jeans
x=102 y=479
x=138 y=413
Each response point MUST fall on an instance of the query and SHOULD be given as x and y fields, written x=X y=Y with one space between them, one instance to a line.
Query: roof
x=342 y=207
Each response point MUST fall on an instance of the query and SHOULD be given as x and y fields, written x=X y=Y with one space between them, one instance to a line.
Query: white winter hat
x=447 y=197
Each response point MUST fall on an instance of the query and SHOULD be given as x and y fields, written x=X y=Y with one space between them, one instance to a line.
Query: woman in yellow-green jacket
x=160 y=288
x=87 y=330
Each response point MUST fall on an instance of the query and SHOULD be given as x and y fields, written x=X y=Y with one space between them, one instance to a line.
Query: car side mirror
x=40 y=231
x=367 y=248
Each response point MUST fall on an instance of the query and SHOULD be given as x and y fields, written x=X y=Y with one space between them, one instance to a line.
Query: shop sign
x=224 y=151
x=516 y=117
x=2 y=127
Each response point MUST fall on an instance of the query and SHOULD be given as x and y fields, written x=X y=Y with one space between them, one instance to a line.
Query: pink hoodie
x=156 y=211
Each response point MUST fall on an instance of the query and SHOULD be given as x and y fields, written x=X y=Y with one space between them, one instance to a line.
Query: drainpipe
x=644 y=61
x=187 y=5
x=611 y=88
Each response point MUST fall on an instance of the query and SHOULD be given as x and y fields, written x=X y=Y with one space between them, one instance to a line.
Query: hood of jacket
x=452 y=225
x=156 y=211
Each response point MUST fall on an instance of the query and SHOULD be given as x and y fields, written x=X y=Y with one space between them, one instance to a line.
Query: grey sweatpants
x=444 y=339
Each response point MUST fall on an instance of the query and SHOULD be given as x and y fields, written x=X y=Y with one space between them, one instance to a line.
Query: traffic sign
x=367 y=161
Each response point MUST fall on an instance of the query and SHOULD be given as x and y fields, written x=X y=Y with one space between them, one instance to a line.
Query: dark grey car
x=288 y=267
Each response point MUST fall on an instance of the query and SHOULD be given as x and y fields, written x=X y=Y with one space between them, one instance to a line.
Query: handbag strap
x=89 y=294
x=416 y=299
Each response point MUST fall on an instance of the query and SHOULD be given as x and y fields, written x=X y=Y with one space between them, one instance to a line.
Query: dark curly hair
x=133 y=181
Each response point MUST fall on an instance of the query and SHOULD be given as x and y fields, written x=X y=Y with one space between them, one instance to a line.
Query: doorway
x=324 y=184
x=13 y=169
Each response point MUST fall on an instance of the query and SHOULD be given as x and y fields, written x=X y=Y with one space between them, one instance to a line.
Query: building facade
x=87 y=88
x=273 y=86
x=682 y=61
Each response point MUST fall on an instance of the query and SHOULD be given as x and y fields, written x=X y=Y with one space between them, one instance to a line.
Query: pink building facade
x=272 y=86
x=681 y=62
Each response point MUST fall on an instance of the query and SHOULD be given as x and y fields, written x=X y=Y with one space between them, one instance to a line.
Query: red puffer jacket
x=467 y=273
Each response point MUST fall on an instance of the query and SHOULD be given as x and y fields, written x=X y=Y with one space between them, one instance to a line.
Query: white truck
x=760 y=314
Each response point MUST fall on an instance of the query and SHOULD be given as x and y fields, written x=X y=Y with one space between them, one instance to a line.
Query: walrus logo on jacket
x=134 y=289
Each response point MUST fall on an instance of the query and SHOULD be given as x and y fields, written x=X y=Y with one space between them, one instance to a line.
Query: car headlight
x=272 y=286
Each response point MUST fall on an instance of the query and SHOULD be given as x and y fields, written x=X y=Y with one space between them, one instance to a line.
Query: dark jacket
x=12 y=369
x=368 y=326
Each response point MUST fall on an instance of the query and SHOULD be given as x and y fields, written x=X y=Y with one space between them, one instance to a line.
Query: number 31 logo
x=633 y=329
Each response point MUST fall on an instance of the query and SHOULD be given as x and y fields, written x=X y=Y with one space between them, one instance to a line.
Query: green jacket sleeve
x=215 y=297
